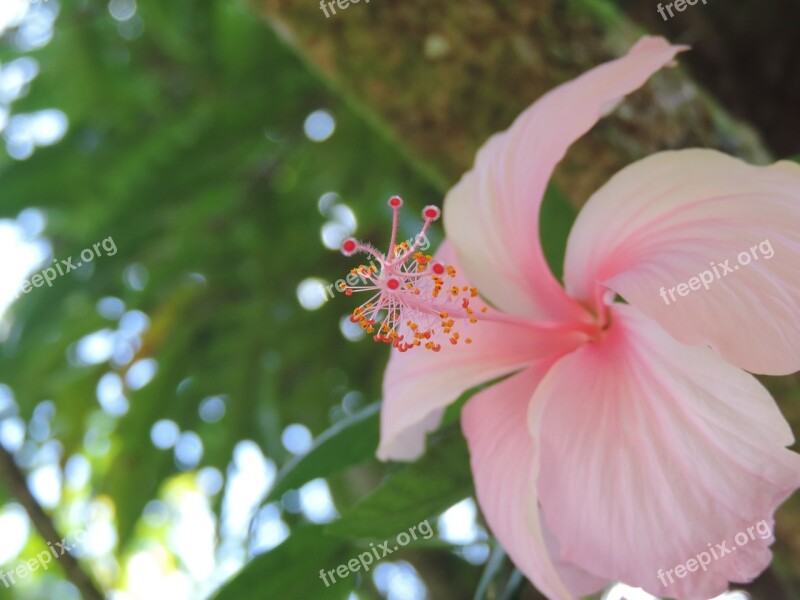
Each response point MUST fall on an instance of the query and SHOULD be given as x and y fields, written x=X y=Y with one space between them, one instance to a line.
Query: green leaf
x=555 y=223
x=491 y=572
x=514 y=586
x=347 y=443
x=291 y=571
x=419 y=491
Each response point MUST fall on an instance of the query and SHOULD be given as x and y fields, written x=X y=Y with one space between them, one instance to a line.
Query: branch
x=15 y=480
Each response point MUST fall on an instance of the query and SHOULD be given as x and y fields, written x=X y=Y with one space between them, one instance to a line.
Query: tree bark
x=445 y=76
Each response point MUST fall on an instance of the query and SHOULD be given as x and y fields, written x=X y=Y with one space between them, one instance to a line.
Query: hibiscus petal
x=418 y=384
x=655 y=453
x=492 y=214
x=671 y=217
x=501 y=454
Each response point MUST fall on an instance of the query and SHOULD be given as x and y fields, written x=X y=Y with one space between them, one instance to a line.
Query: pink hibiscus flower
x=628 y=437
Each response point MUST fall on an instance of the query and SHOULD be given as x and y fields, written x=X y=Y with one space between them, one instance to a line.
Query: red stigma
x=393 y=284
x=431 y=212
x=395 y=202
x=349 y=246
x=438 y=268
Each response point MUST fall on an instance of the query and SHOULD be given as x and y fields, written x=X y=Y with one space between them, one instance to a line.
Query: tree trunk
x=444 y=77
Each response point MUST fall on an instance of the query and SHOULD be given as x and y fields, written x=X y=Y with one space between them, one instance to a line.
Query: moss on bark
x=445 y=76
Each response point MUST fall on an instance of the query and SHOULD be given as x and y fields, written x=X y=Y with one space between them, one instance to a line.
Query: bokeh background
x=191 y=406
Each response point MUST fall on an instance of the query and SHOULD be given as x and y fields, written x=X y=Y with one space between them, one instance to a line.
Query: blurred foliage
x=186 y=146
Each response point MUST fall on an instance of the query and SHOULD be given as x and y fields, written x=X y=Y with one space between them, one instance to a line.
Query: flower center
x=598 y=328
